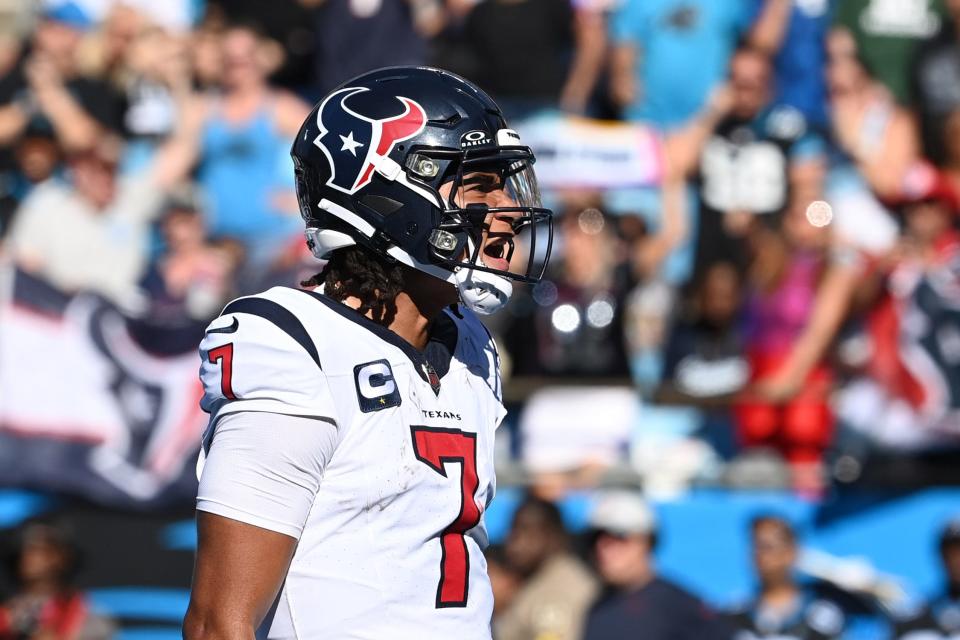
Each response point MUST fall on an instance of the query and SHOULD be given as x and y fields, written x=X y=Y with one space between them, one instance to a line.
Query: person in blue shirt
x=941 y=617
x=239 y=141
x=669 y=54
x=783 y=609
x=793 y=33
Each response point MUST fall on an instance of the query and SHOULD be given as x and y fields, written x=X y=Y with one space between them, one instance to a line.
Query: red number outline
x=224 y=355
x=436 y=447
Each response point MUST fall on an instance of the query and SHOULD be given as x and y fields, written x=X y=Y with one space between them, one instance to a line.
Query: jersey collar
x=431 y=364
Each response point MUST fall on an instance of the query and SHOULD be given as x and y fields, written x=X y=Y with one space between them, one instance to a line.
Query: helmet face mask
x=492 y=206
x=443 y=187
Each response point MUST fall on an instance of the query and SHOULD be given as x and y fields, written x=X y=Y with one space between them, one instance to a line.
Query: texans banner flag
x=87 y=410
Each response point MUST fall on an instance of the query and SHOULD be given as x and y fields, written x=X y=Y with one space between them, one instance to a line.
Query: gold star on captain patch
x=383 y=401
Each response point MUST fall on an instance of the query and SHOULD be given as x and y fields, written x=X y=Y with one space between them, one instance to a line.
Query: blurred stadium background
x=753 y=307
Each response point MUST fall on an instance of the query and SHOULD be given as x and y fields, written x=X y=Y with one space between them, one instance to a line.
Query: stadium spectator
x=189 y=282
x=292 y=28
x=783 y=608
x=505 y=580
x=355 y=36
x=793 y=34
x=787 y=269
x=36 y=157
x=885 y=34
x=155 y=80
x=753 y=160
x=557 y=587
x=581 y=94
x=46 y=91
x=571 y=324
x=936 y=83
x=704 y=363
x=206 y=56
x=47 y=103
x=104 y=52
x=526 y=70
x=655 y=42
x=876 y=134
x=660 y=252
x=148 y=65
x=239 y=140
x=636 y=600
x=911 y=394
x=46 y=605
x=941 y=617
x=91 y=232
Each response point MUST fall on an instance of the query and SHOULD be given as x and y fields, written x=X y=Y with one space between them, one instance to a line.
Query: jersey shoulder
x=262 y=354
x=476 y=348
x=469 y=326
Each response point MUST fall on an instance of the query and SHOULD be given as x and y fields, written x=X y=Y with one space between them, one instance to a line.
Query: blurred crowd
x=42 y=560
x=786 y=297
x=598 y=579
x=605 y=584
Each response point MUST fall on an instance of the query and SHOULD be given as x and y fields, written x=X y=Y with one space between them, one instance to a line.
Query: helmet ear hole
x=381 y=204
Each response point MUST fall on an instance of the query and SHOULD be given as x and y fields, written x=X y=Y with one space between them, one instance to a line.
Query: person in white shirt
x=90 y=232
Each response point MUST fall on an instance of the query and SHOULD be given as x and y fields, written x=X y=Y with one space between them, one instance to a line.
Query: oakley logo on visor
x=474 y=139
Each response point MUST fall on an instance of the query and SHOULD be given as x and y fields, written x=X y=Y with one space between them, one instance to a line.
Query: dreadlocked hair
x=360 y=273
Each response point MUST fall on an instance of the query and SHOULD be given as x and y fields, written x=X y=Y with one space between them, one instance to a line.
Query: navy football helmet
x=395 y=160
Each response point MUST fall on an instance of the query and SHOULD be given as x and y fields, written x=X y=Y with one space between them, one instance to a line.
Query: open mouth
x=497 y=253
x=496 y=249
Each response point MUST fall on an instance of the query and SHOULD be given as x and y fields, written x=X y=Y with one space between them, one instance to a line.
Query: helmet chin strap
x=483 y=292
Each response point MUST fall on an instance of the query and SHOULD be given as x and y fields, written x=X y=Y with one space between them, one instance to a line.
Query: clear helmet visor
x=494 y=204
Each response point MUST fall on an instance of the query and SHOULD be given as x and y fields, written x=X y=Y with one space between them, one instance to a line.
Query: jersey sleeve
x=265 y=469
x=254 y=363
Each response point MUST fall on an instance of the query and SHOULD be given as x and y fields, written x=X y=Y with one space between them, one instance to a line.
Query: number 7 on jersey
x=437 y=447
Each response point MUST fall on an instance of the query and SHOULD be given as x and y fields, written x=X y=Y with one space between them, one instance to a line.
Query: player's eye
x=482 y=183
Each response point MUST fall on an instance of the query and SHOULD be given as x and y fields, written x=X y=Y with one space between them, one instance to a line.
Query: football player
x=349 y=456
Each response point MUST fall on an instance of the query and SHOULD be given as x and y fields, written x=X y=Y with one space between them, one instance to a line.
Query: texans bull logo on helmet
x=353 y=143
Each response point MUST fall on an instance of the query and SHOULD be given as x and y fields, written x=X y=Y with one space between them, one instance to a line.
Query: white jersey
x=391 y=546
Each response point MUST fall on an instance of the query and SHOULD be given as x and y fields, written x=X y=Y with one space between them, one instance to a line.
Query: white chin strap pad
x=482 y=292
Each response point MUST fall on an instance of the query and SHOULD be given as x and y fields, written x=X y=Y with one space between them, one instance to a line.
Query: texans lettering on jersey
x=392 y=546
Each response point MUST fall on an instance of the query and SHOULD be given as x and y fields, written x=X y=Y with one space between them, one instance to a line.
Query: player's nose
x=504 y=221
